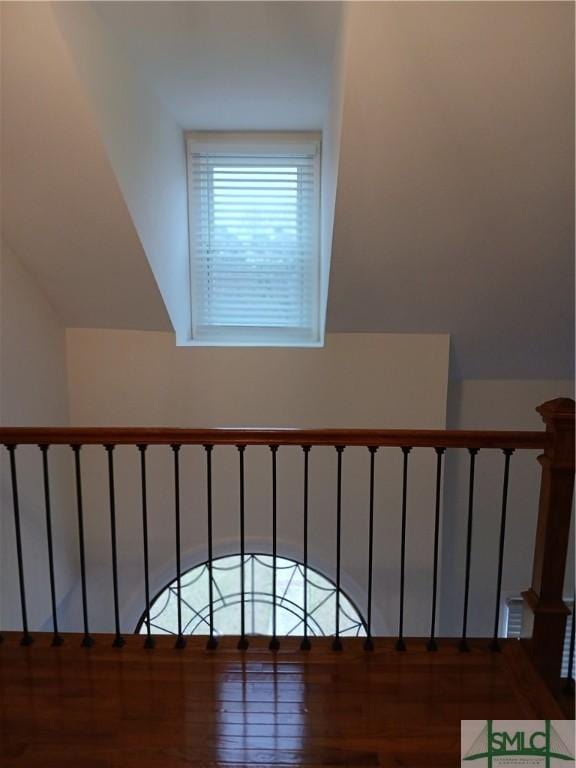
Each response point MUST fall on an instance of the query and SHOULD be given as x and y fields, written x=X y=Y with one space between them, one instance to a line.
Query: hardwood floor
x=130 y=708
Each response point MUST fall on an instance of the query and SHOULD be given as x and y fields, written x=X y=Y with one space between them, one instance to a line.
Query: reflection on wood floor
x=134 y=708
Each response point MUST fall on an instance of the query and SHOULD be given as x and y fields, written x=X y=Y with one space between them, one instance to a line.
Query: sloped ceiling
x=455 y=207
x=232 y=65
x=455 y=196
x=62 y=210
x=153 y=70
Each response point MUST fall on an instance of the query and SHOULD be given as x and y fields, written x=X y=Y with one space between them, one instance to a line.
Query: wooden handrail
x=544 y=609
x=410 y=438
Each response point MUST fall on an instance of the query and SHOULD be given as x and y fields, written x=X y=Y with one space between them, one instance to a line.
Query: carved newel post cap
x=556 y=410
x=558 y=415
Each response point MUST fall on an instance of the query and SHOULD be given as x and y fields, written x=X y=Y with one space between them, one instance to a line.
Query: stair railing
x=544 y=609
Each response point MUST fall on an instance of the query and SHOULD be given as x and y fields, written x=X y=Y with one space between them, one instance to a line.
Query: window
x=258 y=574
x=514 y=627
x=254 y=209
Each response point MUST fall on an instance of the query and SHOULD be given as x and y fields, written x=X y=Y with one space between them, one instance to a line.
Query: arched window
x=258 y=583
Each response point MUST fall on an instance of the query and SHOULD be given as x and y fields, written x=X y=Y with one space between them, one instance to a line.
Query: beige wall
x=33 y=391
x=357 y=380
x=33 y=388
x=455 y=204
x=143 y=379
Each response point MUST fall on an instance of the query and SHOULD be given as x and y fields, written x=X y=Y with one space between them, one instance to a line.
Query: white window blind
x=254 y=240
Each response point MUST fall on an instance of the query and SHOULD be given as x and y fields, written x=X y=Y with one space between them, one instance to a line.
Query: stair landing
x=133 y=708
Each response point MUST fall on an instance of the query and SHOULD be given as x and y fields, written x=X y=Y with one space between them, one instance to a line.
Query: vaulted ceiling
x=448 y=128
x=63 y=212
x=455 y=208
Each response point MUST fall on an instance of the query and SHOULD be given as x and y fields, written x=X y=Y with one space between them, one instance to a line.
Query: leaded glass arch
x=258 y=577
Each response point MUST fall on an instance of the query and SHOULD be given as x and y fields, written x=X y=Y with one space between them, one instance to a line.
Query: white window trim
x=246 y=141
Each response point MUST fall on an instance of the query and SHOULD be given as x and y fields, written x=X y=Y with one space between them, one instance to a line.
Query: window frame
x=272 y=142
x=225 y=600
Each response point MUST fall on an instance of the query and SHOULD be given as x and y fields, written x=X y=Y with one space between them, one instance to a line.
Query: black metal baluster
x=27 y=638
x=149 y=642
x=337 y=643
x=495 y=645
x=180 y=641
x=305 y=644
x=118 y=640
x=400 y=644
x=243 y=642
x=432 y=644
x=463 y=641
x=274 y=644
x=57 y=639
x=87 y=640
x=369 y=643
x=212 y=643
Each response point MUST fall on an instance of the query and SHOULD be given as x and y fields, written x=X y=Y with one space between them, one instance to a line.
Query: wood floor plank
x=105 y=708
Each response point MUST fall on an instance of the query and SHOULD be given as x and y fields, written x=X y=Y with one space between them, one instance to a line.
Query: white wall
x=489 y=404
x=33 y=392
x=142 y=379
x=331 y=136
x=146 y=150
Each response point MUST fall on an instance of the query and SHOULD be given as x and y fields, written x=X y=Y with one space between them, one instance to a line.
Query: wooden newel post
x=544 y=618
